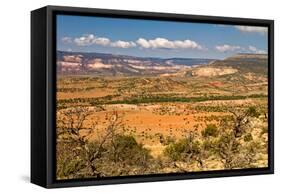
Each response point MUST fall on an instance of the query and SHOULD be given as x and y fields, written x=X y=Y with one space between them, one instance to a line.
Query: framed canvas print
x=125 y=96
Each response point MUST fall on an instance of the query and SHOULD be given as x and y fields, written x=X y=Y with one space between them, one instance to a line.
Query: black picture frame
x=43 y=95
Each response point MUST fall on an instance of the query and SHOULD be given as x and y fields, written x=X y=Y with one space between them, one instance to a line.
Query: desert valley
x=121 y=115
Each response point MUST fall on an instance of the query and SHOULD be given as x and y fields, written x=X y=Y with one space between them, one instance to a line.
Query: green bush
x=182 y=149
x=227 y=149
x=174 y=150
x=253 y=112
x=210 y=130
x=68 y=162
x=126 y=149
x=125 y=142
x=248 y=137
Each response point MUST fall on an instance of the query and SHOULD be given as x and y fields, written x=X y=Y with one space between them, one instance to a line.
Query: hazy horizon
x=107 y=53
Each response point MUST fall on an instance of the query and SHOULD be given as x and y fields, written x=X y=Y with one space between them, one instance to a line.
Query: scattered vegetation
x=114 y=153
x=215 y=123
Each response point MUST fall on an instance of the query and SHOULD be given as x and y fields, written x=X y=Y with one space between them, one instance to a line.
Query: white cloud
x=101 y=41
x=227 y=48
x=85 y=40
x=66 y=40
x=123 y=44
x=168 y=44
x=254 y=29
x=91 y=39
x=235 y=48
x=257 y=51
x=162 y=43
x=143 y=43
x=252 y=48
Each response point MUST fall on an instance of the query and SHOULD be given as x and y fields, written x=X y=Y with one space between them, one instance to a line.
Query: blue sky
x=150 y=38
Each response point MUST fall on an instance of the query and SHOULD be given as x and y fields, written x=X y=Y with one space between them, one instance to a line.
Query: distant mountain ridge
x=245 y=63
x=109 y=64
x=102 y=64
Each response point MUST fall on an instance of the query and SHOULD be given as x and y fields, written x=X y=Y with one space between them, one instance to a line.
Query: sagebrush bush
x=184 y=149
x=210 y=130
x=248 y=137
x=126 y=149
x=253 y=112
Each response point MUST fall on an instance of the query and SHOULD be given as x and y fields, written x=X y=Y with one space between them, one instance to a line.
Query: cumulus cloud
x=123 y=44
x=254 y=29
x=162 y=43
x=101 y=41
x=227 y=48
x=143 y=43
x=235 y=48
x=91 y=39
x=168 y=44
x=66 y=39
x=85 y=40
x=257 y=51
